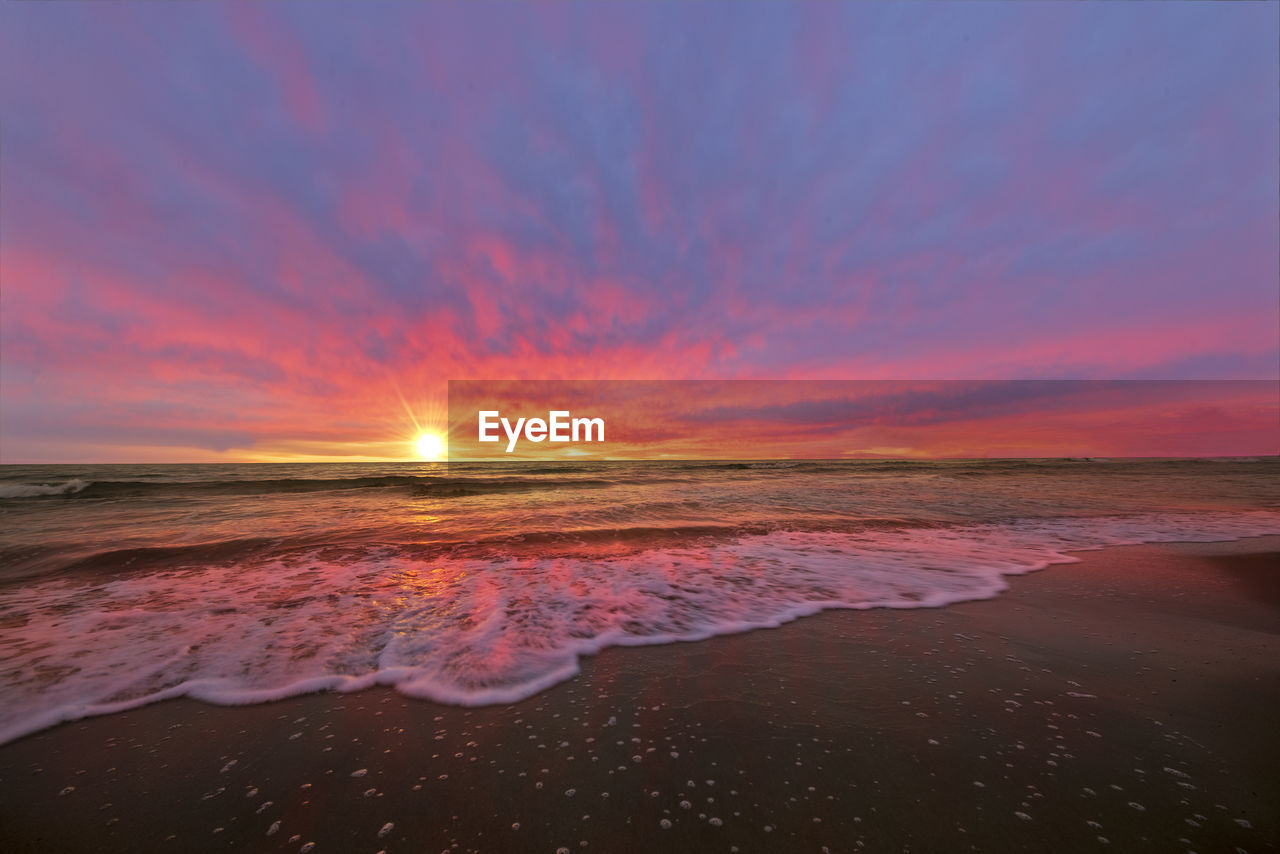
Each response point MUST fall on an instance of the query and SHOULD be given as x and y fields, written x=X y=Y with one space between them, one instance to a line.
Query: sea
x=485 y=583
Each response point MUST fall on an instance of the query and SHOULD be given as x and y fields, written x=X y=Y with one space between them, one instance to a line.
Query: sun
x=430 y=446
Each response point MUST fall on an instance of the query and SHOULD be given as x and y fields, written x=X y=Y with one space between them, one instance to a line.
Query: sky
x=861 y=419
x=275 y=231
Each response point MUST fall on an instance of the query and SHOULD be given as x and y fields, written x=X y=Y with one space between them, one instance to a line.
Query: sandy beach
x=1123 y=703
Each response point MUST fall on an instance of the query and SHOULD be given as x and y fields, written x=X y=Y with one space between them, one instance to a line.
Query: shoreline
x=211 y=692
x=1009 y=721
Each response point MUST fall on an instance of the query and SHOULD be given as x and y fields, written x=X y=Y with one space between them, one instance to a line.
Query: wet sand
x=1125 y=703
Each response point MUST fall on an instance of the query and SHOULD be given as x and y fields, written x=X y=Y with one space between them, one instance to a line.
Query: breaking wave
x=477 y=631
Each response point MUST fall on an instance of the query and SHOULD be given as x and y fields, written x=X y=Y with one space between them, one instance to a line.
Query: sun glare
x=430 y=447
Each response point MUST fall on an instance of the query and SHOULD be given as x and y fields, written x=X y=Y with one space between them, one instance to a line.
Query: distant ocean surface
x=484 y=583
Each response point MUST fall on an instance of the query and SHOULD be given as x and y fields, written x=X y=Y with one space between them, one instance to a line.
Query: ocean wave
x=76 y=561
x=474 y=631
x=465 y=487
x=197 y=555
x=33 y=490
x=425 y=486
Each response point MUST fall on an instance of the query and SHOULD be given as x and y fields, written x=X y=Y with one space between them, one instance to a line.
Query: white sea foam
x=475 y=632
x=32 y=490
